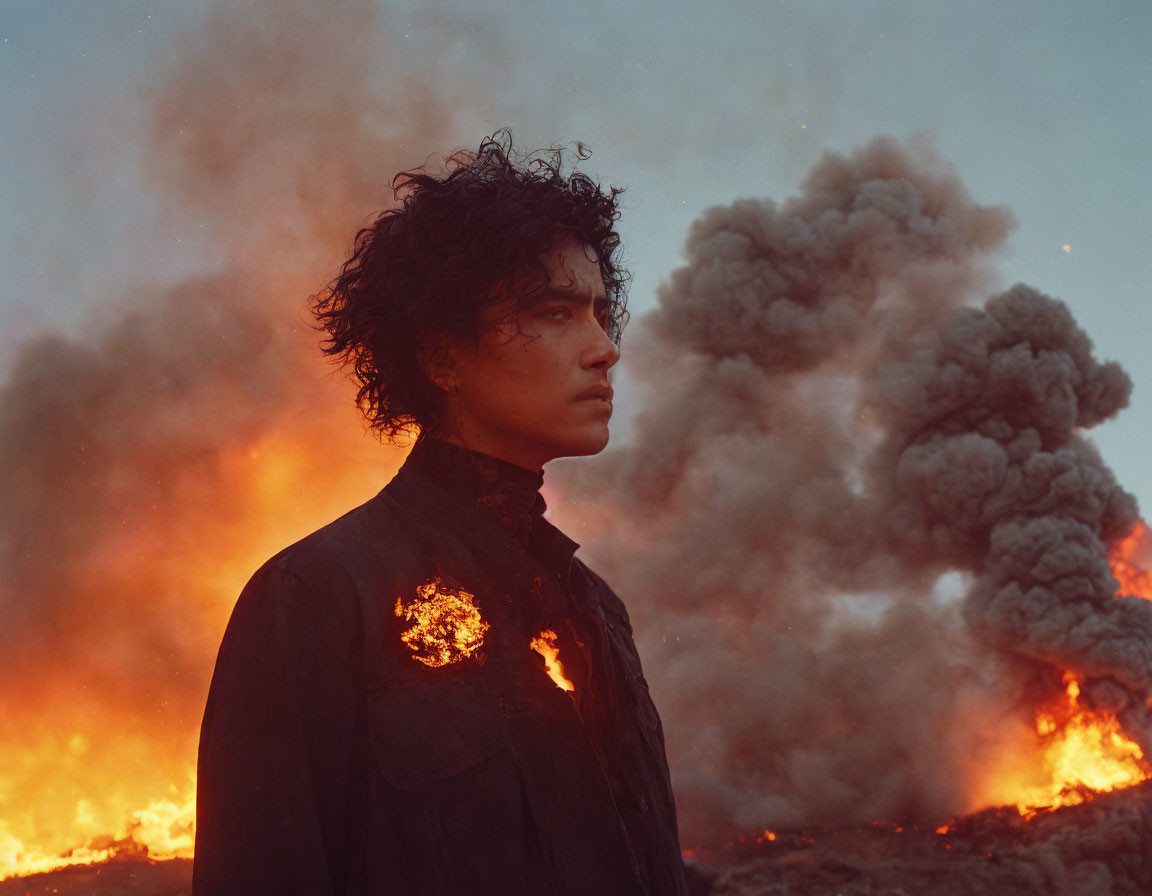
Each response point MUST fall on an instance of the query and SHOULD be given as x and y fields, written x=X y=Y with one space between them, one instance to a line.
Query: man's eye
x=558 y=314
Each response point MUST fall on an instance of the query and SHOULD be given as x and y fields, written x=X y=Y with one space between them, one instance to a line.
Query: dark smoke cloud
x=833 y=449
x=990 y=471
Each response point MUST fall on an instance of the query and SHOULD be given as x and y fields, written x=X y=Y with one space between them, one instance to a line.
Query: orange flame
x=1081 y=750
x=162 y=830
x=1077 y=751
x=447 y=628
x=545 y=645
x=88 y=774
x=1133 y=578
x=1085 y=750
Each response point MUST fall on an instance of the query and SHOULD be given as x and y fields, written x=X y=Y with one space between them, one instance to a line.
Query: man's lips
x=600 y=393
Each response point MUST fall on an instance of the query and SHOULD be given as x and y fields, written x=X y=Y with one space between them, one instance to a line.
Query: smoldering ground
x=1099 y=848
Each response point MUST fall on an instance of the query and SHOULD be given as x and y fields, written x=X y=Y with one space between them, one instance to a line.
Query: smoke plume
x=856 y=523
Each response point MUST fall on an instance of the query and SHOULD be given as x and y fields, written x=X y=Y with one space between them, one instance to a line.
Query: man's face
x=522 y=387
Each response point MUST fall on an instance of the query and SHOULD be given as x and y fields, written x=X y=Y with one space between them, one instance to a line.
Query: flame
x=1075 y=749
x=1133 y=578
x=1081 y=751
x=545 y=645
x=164 y=829
x=448 y=627
x=93 y=770
x=1086 y=750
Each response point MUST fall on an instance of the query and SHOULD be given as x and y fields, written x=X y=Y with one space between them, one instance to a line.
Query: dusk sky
x=1044 y=108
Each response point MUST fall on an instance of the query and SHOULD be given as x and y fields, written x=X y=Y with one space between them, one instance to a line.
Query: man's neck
x=531 y=458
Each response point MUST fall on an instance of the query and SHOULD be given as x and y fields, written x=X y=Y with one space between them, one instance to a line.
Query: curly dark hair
x=456 y=242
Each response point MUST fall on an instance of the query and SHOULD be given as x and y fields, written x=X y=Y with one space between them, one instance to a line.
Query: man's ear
x=437 y=361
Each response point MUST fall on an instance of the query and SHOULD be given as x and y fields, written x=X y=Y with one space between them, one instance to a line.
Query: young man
x=431 y=695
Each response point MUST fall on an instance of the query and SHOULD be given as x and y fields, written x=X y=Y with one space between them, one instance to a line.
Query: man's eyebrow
x=575 y=296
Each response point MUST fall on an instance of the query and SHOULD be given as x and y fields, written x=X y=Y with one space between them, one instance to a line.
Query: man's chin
x=585 y=445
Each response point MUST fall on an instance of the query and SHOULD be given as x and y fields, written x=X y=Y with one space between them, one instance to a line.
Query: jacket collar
x=509 y=495
x=490 y=502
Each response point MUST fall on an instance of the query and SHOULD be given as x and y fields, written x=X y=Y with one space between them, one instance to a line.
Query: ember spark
x=447 y=628
x=545 y=645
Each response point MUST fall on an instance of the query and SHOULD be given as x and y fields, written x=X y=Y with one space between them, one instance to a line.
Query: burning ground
x=1098 y=848
x=863 y=535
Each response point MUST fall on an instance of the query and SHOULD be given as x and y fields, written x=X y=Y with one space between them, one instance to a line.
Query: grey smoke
x=833 y=449
x=990 y=470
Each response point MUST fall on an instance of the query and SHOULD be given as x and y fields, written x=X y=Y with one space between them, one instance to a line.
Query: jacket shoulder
x=367 y=534
x=322 y=579
x=613 y=607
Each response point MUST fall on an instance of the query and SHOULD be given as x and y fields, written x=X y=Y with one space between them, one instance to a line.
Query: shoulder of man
x=326 y=571
x=341 y=542
x=614 y=609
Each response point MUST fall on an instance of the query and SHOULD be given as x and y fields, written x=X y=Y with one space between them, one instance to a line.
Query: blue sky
x=1045 y=108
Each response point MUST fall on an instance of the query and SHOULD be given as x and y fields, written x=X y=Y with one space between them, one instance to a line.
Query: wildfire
x=545 y=645
x=1084 y=750
x=88 y=770
x=165 y=829
x=447 y=628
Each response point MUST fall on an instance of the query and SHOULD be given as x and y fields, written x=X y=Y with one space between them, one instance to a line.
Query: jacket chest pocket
x=428 y=727
x=442 y=741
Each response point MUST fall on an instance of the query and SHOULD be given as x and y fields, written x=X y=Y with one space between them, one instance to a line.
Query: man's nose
x=602 y=352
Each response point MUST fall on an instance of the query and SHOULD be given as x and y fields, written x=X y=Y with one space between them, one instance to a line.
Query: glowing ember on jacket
x=447 y=625
x=545 y=645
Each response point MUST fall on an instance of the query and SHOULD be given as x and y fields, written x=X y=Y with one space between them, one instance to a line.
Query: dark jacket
x=338 y=758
